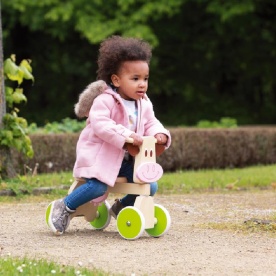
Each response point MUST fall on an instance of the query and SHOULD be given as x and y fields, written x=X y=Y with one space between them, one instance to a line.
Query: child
x=117 y=107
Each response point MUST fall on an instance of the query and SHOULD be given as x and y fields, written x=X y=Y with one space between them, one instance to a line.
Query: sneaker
x=59 y=217
x=116 y=208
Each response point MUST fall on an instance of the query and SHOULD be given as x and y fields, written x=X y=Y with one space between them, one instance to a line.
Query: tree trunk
x=2 y=84
x=6 y=166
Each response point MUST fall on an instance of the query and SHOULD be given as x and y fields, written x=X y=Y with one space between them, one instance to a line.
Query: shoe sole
x=48 y=216
x=112 y=213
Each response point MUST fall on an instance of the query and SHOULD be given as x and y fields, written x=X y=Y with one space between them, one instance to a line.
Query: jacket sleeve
x=152 y=124
x=104 y=126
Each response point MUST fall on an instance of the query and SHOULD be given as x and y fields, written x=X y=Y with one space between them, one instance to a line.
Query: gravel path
x=188 y=248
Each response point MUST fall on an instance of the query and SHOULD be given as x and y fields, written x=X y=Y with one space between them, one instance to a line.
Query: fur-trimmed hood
x=87 y=97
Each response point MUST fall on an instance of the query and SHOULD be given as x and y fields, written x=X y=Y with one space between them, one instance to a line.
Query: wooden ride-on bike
x=144 y=215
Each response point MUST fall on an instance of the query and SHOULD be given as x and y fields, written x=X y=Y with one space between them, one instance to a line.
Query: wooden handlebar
x=131 y=140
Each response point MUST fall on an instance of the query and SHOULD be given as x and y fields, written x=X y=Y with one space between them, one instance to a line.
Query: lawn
x=181 y=182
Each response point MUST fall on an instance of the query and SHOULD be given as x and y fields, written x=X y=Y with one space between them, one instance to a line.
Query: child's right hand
x=137 y=139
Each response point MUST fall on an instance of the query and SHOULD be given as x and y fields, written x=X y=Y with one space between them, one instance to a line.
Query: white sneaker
x=58 y=216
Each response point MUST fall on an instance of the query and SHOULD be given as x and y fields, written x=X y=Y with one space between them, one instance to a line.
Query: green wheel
x=103 y=217
x=130 y=223
x=163 y=221
x=47 y=214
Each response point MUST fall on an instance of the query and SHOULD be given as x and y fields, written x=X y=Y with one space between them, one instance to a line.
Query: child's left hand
x=161 y=138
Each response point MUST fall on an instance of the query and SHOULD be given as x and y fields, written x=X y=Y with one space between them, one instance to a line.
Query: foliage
x=125 y=16
x=69 y=125
x=66 y=125
x=223 y=123
x=230 y=9
x=10 y=266
x=14 y=132
x=211 y=59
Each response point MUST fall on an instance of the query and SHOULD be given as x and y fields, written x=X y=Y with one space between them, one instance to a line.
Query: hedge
x=191 y=148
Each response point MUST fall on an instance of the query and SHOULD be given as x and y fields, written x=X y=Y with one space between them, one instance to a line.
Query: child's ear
x=132 y=150
x=159 y=149
x=115 y=80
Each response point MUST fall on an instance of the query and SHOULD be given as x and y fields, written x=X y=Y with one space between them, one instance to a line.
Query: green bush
x=224 y=122
x=192 y=148
x=67 y=125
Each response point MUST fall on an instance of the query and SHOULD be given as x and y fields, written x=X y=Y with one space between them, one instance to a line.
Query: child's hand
x=137 y=139
x=161 y=138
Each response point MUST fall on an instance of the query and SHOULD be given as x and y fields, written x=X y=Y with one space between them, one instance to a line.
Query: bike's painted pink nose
x=149 y=172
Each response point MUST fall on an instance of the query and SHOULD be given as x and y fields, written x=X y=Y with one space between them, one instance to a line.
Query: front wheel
x=130 y=223
x=163 y=222
x=103 y=217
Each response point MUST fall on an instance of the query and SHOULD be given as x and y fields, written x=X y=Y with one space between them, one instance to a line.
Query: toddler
x=116 y=107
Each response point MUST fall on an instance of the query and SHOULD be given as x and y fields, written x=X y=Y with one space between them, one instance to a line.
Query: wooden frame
x=145 y=156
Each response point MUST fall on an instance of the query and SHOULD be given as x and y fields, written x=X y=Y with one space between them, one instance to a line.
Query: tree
x=2 y=88
x=127 y=17
x=12 y=128
x=211 y=58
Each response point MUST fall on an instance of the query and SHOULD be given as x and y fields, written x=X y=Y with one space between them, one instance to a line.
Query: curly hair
x=116 y=50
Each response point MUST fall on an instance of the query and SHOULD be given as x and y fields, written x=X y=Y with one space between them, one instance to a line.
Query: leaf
x=8 y=93
x=24 y=66
x=17 y=77
x=14 y=132
x=18 y=96
x=6 y=137
x=18 y=144
x=18 y=73
x=10 y=68
x=13 y=57
x=26 y=63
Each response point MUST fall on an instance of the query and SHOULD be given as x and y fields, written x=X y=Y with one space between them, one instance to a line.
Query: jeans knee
x=99 y=188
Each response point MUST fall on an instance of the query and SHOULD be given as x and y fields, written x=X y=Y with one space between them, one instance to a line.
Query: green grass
x=14 y=267
x=260 y=177
x=24 y=185
x=256 y=177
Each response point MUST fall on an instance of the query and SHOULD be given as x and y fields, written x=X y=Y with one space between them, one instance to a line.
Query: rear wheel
x=103 y=217
x=47 y=214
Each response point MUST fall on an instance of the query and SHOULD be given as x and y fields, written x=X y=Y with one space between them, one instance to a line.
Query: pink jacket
x=100 y=152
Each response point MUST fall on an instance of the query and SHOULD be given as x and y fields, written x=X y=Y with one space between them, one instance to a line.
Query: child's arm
x=104 y=127
x=153 y=127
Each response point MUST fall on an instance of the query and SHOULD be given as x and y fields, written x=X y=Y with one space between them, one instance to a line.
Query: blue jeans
x=94 y=188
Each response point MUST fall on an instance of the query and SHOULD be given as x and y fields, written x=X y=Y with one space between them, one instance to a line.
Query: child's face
x=132 y=79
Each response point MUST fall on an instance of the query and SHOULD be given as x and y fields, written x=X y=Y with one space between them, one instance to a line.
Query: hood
x=86 y=98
